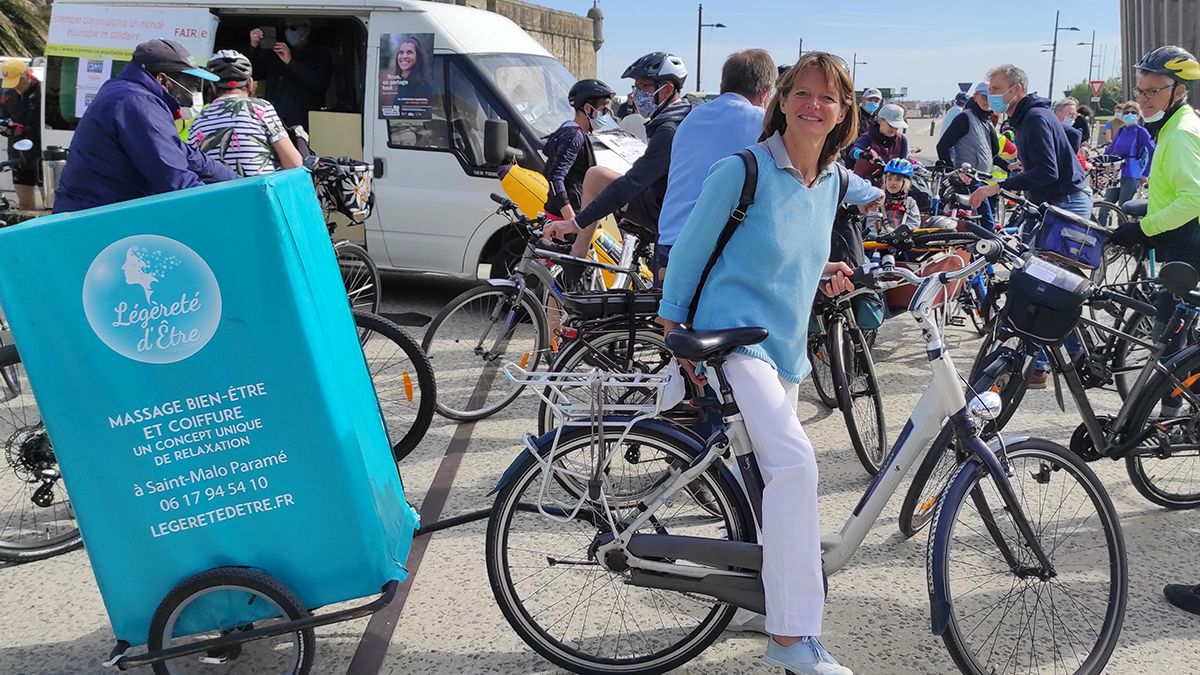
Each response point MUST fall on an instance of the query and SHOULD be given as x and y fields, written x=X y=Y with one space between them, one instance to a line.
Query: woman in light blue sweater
x=767 y=276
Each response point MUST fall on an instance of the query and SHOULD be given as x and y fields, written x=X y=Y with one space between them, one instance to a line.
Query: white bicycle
x=623 y=544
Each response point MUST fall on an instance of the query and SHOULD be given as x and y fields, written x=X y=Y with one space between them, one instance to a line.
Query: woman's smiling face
x=406 y=56
x=813 y=106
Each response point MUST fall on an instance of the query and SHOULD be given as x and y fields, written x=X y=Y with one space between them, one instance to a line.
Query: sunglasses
x=828 y=55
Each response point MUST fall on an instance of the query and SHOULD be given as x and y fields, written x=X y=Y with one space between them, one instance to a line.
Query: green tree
x=22 y=28
x=1110 y=95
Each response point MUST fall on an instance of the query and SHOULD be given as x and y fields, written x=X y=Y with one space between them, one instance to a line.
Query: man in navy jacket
x=1047 y=170
x=126 y=145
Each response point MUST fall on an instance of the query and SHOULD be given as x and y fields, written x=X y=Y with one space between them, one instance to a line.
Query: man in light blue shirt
x=717 y=129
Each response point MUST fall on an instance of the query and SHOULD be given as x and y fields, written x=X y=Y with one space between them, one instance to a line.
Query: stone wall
x=569 y=37
x=1146 y=24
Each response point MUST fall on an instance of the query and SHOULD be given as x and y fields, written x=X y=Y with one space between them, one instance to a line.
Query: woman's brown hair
x=1134 y=105
x=836 y=75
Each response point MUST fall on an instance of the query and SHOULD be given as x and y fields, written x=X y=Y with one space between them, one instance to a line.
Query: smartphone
x=268 y=38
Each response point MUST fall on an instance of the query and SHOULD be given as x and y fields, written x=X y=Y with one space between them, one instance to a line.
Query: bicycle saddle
x=703 y=345
x=1135 y=207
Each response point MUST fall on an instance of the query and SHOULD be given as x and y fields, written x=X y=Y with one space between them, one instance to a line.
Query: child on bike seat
x=898 y=207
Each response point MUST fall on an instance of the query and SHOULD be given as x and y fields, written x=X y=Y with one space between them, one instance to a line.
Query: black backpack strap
x=843 y=182
x=735 y=218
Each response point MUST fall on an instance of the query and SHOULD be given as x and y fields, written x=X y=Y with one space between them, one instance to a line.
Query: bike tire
x=1156 y=478
x=468 y=380
x=360 y=276
x=513 y=501
x=967 y=495
x=858 y=393
x=242 y=581
x=822 y=375
x=403 y=379
x=1126 y=361
x=26 y=452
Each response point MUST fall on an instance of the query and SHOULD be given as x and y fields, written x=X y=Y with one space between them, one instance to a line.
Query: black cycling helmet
x=232 y=67
x=1174 y=62
x=585 y=91
x=660 y=67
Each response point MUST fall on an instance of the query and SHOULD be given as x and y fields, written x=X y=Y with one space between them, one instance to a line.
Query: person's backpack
x=738 y=214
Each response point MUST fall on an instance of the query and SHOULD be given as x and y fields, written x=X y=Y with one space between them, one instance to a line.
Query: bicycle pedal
x=956 y=321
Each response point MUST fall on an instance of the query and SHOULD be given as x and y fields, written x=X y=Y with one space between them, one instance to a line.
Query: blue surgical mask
x=604 y=122
x=1129 y=118
x=292 y=36
x=997 y=104
x=871 y=107
x=646 y=103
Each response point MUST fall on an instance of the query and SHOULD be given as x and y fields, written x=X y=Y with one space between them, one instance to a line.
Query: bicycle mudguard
x=501 y=282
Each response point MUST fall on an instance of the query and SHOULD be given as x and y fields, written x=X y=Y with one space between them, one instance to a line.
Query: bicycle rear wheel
x=474 y=336
x=403 y=379
x=1006 y=614
x=558 y=598
x=858 y=393
x=36 y=519
x=1166 y=468
x=360 y=276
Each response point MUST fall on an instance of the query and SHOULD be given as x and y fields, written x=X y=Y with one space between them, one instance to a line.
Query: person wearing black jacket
x=658 y=80
x=296 y=72
x=1083 y=122
x=21 y=110
x=569 y=153
x=971 y=139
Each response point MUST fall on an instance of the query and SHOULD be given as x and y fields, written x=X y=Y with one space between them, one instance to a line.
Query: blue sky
x=926 y=45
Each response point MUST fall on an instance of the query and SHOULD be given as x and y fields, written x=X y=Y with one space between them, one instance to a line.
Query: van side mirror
x=496 y=148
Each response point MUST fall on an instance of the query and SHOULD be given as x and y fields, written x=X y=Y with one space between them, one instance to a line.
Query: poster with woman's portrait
x=406 y=76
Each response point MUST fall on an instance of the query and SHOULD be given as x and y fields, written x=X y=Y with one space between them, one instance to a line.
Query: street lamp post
x=854 y=68
x=700 y=26
x=1092 y=58
x=1054 y=49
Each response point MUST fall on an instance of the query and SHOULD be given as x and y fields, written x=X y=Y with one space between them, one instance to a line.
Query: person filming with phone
x=295 y=71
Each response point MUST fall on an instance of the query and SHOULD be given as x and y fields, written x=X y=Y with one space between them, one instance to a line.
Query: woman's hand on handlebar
x=838 y=274
x=689 y=367
x=985 y=192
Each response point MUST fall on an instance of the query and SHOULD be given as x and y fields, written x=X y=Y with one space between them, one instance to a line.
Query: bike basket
x=1069 y=239
x=344 y=185
x=605 y=304
x=1045 y=301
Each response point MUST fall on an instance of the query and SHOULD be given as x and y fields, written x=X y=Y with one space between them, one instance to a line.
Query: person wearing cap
x=960 y=104
x=242 y=132
x=126 y=145
x=20 y=111
x=971 y=139
x=868 y=107
x=295 y=71
x=883 y=140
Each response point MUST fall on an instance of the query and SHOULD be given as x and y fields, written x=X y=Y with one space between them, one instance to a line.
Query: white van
x=433 y=174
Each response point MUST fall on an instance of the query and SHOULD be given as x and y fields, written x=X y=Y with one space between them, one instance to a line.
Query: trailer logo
x=152 y=299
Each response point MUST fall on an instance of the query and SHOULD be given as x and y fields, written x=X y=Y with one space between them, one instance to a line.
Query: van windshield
x=536 y=86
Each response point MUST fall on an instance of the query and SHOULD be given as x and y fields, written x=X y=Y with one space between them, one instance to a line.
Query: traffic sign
x=964 y=87
x=1097 y=85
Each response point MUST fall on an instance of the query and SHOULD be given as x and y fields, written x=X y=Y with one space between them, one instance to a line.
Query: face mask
x=1129 y=118
x=645 y=103
x=604 y=122
x=871 y=107
x=292 y=36
x=996 y=103
x=186 y=98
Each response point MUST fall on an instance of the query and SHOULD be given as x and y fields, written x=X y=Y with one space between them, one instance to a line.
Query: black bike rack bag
x=1045 y=301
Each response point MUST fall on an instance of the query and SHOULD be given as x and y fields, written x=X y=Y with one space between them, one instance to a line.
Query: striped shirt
x=239 y=132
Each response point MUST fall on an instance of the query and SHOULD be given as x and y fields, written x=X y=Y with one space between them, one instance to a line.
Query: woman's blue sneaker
x=806 y=657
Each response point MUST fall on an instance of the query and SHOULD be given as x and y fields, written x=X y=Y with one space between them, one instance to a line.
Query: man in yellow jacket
x=1171 y=224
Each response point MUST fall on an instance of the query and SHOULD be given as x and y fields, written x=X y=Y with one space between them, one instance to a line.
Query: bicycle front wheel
x=858 y=393
x=360 y=275
x=36 y=518
x=403 y=379
x=555 y=594
x=476 y=335
x=1007 y=614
